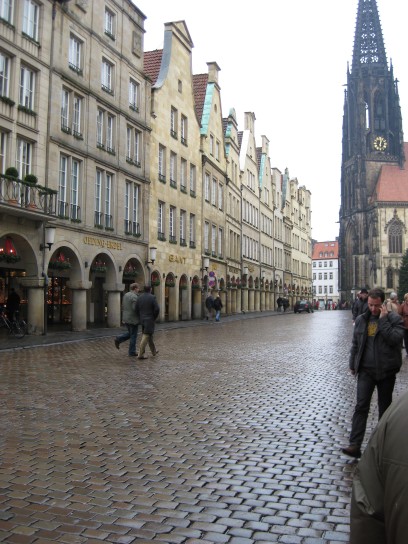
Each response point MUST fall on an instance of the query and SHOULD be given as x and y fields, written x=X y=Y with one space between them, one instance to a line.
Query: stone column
x=257 y=301
x=244 y=304
x=114 y=311
x=251 y=300
x=35 y=305
x=79 y=291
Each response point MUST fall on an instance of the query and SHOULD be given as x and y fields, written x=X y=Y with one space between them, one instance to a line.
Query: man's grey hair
x=393 y=296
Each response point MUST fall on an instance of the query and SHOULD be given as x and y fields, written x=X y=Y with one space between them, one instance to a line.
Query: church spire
x=368 y=40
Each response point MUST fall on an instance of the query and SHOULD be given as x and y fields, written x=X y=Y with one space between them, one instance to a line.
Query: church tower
x=372 y=140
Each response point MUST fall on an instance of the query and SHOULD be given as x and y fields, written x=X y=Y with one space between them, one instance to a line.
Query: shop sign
x=177 y=259
x=100 y=242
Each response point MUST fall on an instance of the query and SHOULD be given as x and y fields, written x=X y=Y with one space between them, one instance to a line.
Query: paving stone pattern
x=232 y=434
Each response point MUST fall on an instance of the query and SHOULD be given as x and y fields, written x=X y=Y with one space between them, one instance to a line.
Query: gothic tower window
x=367 y=116
x=379 y=112
x=395 y=237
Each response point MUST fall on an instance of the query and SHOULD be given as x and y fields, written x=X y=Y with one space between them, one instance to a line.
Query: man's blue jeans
x=365 y=389
x=130 y=335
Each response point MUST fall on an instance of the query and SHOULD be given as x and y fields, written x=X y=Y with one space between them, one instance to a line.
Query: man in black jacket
x=375 y=358
x=147 y=311
x=360 y=305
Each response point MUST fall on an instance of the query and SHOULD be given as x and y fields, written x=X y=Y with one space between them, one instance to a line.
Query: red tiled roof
x=152 y=63
x=392 y=184
x=200 y=89
x=326 y=247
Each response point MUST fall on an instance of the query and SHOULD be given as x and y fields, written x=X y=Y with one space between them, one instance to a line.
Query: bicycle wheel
x=19 y=328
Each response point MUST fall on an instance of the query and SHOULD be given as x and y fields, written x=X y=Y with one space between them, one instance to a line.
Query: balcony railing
x=132 y=227
x=20 y=194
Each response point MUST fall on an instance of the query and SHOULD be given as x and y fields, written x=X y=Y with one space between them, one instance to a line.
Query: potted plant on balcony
x=11 y=173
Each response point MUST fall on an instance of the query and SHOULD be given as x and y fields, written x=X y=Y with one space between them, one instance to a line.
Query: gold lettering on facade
x=177 y=259
x=100 y=242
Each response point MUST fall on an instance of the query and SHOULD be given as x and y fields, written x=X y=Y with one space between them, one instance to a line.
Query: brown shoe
x=116 y=343
x=352 y=451
x=142 y=357
x=155 y=353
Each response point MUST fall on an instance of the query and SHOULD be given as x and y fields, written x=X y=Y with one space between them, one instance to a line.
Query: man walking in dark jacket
x=147 y=311
x=360 y=305
x=375 y=358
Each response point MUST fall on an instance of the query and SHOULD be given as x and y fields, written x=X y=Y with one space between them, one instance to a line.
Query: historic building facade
x=117 y=165
x=374 y=183
x=326 y=273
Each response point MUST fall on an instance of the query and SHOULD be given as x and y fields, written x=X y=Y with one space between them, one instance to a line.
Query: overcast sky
x=287 y=62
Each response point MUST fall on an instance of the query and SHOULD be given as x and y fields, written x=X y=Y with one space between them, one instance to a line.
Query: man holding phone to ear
x=375 y=358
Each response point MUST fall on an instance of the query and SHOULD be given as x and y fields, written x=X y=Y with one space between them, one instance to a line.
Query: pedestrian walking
x=360 y=305
x=217 y=307
x=279 y=302
x=392 y=303
x=147 y=311
x=403 y=311
x=379 y=502
x=130 y=319
x=12 y=304
x=375 y=358
x=285 y=304
x=209 y=306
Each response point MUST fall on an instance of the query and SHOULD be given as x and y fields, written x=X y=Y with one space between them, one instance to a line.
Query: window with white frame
x=214 y=192
x=182 y=226
x=27 y=88
x=109 y=23
x=23 y=157
x=162 y=163
x=213 y=240
x=217 y=150
x=220 y=242
x=4 y=74
x=183 y=130
x=65 y=110
x=173 y=122
x=160 y=220
x=207 y=187
x=77 y=116
x=75 y=54
x=172 y=224
x=110 y=133
x=69 y=189
x=30 y=19
x=192 y=230
x=173 y=169
x=132 y=198
x=193 y=180
x=133 y=138
x=107 y=76
x=3 y=151
x=6 y=10
x=206 y=236
x=134 y=92
x=183 y=175
x=108 y=200
x=105 y=130
x=103 y=199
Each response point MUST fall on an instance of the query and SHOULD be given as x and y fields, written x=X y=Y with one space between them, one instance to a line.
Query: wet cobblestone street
x=232 y=434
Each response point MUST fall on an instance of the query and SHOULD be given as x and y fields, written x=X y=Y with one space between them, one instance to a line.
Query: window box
x=7 y=100
x=109 y=228
x=110 y=35
x=75 y=69
x=173 y=134
x=184 y=141
x=107 y=89
x=134 y=108
x=65 y=129
x=183 y=189
x=162 y=178
x=77 y=135
x=26 y=110
x=173 y=184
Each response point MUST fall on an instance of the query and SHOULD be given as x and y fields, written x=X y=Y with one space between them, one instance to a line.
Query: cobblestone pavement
x=231 y=434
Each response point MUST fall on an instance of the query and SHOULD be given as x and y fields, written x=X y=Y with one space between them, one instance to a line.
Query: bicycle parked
x=17 y=327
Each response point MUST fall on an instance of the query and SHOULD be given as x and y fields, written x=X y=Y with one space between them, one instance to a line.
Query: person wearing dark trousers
x=130 y=319
x=217 y=307
x=12 y=304
x=375 y=358
x=147 y=311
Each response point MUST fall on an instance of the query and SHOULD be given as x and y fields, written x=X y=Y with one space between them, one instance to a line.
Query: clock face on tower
x=380 y=143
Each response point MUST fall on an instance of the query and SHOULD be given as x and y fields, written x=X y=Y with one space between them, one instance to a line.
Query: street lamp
x=48 y=241
x=152 y=255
